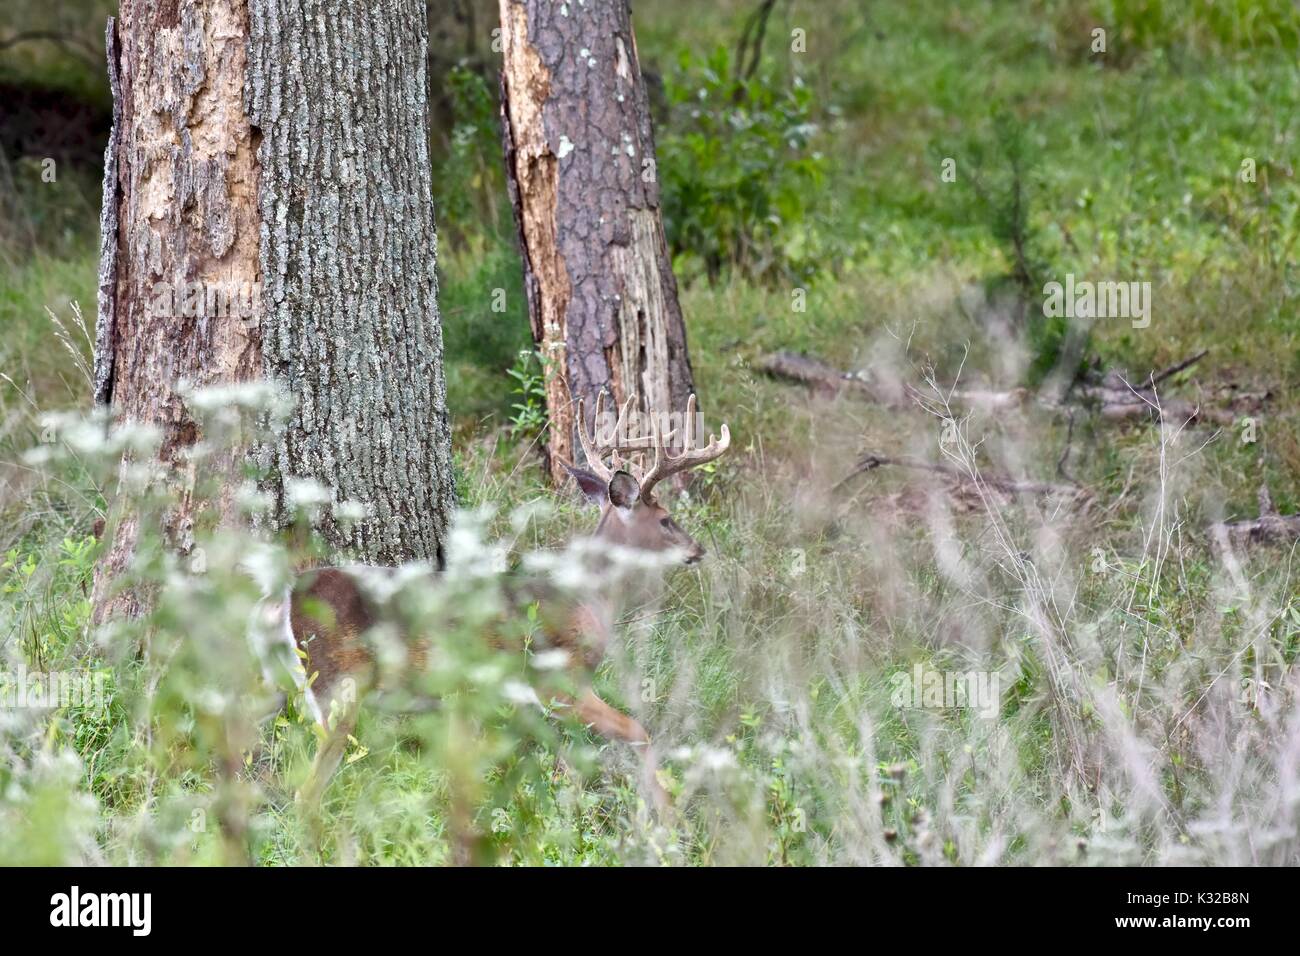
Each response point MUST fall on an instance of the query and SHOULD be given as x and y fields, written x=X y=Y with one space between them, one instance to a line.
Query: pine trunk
x=274 y=153
x=580 y=163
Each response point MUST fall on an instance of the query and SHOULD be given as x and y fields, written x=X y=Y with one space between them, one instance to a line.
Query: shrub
x=741 y=173
x=469 y=181
x=1004 y=187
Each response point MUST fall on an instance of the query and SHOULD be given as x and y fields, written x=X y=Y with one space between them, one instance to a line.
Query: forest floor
x=1145 y=682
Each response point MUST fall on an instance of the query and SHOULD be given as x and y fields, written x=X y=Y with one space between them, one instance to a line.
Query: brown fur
x=330 y=615
x=646 y=526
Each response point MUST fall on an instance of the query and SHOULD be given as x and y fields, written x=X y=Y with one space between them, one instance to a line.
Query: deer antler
x=596 y=452
x=666 y=464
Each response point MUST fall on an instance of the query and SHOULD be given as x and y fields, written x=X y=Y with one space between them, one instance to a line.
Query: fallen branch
x=807 y=370
x=1269 y=528
x=983 y=399
x=828 y=380
x=1115 y=406
x=1177 y=367
x=1003 y=483
x=1117 y=399
x=1113 y=398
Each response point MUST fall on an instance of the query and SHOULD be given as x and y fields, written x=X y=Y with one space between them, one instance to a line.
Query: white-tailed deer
x=326 y=614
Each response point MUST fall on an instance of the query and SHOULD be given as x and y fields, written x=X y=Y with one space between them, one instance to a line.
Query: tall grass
x=1145 y=714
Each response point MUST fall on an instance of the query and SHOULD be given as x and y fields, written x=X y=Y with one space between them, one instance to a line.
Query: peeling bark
x=106 y=293
x=278 y=146
x=185 y=212
x=580 y=166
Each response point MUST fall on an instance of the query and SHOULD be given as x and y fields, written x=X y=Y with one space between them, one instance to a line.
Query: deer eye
x=666 y=524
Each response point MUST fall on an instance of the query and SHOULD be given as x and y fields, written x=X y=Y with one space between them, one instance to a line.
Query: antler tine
x=596 y=450
x=688 y=436
x=595 y=455
x=620 y=425
x=641 y=442
x=665 y=463
x=691 y=456
x=620 y=429
x=619 y=442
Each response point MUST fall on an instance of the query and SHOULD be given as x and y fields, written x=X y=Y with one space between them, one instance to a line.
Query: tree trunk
x=273 y=153
x=581 y=169
x=351 y=326
x=179 y=214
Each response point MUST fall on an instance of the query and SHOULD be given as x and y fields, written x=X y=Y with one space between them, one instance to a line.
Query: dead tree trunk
x=274 y=153
x=580 y=164
x=179 y=218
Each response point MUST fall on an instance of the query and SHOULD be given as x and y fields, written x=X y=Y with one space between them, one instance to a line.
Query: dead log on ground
x=1269 y=528
x=1113 y=397
x=822 y=378
x=966 y=492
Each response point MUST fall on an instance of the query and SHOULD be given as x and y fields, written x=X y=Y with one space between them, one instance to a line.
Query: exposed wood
x=1117 y=399
x=580 y=168
x=1117 y=405
x=984 y=399
x=184 y=212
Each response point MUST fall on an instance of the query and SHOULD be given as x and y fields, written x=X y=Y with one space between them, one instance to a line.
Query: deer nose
x=695 y=555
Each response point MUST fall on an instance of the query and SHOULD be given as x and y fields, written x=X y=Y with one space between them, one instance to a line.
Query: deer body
x=323 y=619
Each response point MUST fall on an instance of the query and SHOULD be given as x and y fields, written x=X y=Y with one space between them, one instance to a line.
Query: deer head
x=630 y=514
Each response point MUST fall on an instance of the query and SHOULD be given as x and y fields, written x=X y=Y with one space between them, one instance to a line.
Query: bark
x=106 y=294
x=350 y=325
x=580 y=167
x=277 y=147
x=180 y=196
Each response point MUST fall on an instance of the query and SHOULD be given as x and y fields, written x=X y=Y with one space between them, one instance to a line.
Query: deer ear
x=623 y=490
x=590 y=484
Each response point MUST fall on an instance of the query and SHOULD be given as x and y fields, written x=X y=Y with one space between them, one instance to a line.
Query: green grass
x=1144 y=713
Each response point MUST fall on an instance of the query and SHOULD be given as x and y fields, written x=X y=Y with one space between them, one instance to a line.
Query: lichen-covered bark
x=580 y=164
x=185 y=213
x=106 y=294
x=350 y=323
